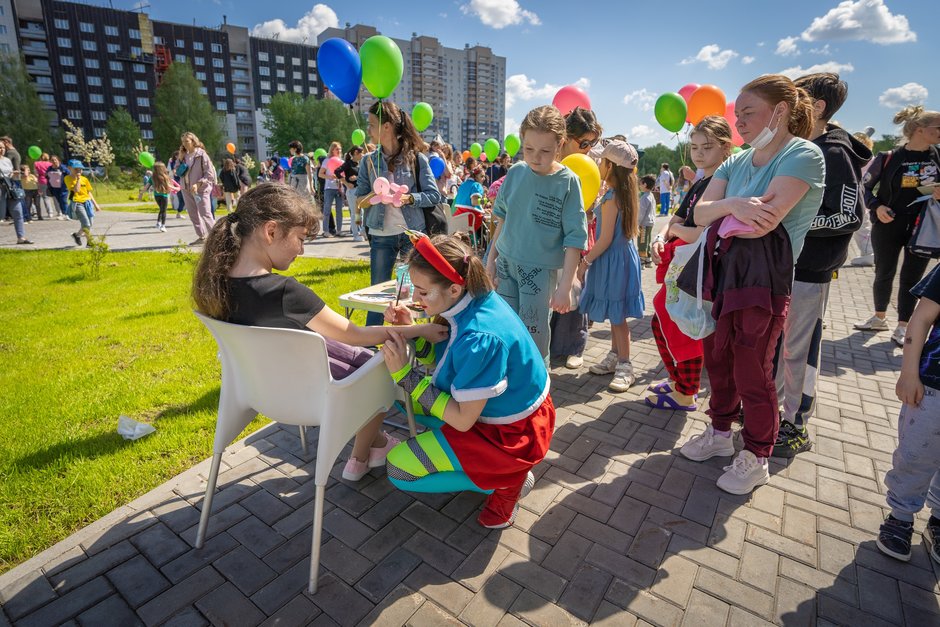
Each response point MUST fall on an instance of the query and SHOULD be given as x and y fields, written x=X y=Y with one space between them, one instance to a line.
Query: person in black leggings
x=897 y=175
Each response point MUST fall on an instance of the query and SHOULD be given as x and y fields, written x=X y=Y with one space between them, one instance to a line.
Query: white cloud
x=747 y=60
x=824 y=51
x=787 y=47
x=311 y=24
x=860 y=20
x=521 y=87
x=713 y=55
x=828 y=66
x=642 y=132
x=500 y=13
x=642 y=98
x=761 y=44
x=907 y=94
x=511 y=125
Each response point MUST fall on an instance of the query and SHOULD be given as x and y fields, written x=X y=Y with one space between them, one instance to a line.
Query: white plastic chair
x=455 y=224
x=285 y=375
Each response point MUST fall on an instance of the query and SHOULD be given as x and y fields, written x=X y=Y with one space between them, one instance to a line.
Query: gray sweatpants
x=915 y=477
x=798 y=363
x=528 y=290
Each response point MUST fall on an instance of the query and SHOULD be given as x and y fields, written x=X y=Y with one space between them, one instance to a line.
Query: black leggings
x=161 y=205
x=887 y=241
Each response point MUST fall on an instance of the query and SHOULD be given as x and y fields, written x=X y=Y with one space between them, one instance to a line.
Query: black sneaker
x=932 y=538
x=77 y=238
x=894 y=538
x=791 y=440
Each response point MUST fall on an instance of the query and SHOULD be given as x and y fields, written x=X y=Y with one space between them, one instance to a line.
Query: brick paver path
x=619 y=530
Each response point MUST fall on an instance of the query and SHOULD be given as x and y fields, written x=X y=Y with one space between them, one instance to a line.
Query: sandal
x=666 y=401
x=661 y=387
x=25 y=241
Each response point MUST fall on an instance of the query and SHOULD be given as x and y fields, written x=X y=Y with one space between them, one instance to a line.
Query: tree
x=181 y=107
x=22 y=115
x=124 y=135
x=95 y=152
x=312 y=121
x=886 y=143
x=655 y=156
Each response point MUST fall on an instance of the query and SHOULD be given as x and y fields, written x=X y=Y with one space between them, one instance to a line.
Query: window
x=298 y=89
x=117 y=83
x=92 y=64
x=217 y=48
x=144 y=118
x=67 y=60
x=71 y=96
x=281 y=74
x=197 y=45
x=204 y=91
x=200 y=76
x=134 y=33
x=116 y=66
x=94 y=81
x=86 y=27
x=99 y=116
x=159 y=40
x=281 y=87
x=120 y=101
x=89 y=45
x=44 y=80
x=264 y=71
x=179 y=58
x=199 y=60
x=243 y=101
x=220 y=92
x=311 y=63
x=136 y=51
x=217 y=62
x=50 y=99
x=70 y=79
x=111 y=31
x=221 y=105
x=262 y=56
x=295 y=61
x=139 y=68
x=75 y=114
x=96 y=98
x=3 y=29
x=114 y=48
x=64 y=42
x=4 y=47
x=265 y=99
x=61 y=24
x=146 y=133
x=266 y=85
x=218 y=77
x=99 y=131
x=312 y=78
x=180 y=43
x=140 y=85
x=297 y=76
x=279 y=59
x=143 y=102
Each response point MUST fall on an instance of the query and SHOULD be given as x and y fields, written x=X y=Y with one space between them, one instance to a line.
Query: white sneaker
x=872 y=324
x=527 y=485
x=898 y=336
x=357 y=238
x=863 y=261
x=707 y=445
x=744 y=474
x=623 y=377
x=606 y=365
x=162 y=228
x=574 y=362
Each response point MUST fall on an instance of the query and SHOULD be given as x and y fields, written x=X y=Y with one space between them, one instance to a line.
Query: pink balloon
x=482 y=157
x=686 y=92
x=736 y=138
x=332 y=163
x=569 y=97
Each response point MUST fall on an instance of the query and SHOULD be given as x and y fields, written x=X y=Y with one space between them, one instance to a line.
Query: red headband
x=434 y=257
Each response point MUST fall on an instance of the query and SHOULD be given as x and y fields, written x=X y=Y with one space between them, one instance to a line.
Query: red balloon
x=569 y=97
x=686 y=93
x=706 y=100
x=736 y=138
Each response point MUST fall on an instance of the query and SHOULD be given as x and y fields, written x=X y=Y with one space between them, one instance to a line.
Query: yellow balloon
x=586 y=169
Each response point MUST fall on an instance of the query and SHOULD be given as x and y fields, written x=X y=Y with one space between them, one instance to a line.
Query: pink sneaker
x=355 y=469
x=377 y=455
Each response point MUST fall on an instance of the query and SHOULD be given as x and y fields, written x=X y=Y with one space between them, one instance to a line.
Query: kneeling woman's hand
x=395 y=352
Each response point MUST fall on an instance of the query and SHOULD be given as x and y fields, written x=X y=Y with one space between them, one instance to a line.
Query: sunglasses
x=584 y=144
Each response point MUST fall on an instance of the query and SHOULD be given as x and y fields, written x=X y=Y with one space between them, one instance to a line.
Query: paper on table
x=131 y=429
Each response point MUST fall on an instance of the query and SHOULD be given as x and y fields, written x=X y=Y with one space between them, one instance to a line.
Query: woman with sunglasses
x=570 y=330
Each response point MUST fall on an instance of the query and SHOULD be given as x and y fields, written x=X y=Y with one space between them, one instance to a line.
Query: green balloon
x=382 y=65
x=512 y=144
x=491 y=149
x=146 y=159
x=736 y=150
x=34 y=152
x=422 y=115
x=475 y=150
x=319 y=153
x=671 y=111
x=358 y=136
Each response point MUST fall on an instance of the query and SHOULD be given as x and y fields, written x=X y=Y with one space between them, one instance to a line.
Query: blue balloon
x=340 y=68
x=437 y=166
x=285 y=163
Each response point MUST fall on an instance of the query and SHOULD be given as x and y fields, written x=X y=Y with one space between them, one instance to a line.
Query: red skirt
x=499 y=456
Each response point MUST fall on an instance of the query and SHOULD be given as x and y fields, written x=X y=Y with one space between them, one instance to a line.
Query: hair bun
x=910 y=112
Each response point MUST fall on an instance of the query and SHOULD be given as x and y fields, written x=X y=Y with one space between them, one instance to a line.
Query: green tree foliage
x=181 y=107
x=886 y=143
x=22 y=115
x=313 y=121
x=124 y=135
x=655 y=156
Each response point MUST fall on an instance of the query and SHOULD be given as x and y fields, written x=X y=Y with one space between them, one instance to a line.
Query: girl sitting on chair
x=490 y=416
x=234 y=282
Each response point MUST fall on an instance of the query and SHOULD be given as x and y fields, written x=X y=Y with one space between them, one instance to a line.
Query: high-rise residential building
x=9 y=43
x=466 y=87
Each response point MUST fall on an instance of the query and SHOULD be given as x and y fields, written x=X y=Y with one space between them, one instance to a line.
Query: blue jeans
x=664 y=204
x=331 y=197
x=15 y=208
x=383 y=253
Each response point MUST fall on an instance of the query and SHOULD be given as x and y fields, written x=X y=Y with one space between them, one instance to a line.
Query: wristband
x=401 y=373
x=659 y=238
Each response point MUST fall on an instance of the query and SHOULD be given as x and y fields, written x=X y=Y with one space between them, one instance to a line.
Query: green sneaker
x=791 y=440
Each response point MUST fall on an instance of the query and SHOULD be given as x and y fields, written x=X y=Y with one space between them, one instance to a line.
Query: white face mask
x=766 y=135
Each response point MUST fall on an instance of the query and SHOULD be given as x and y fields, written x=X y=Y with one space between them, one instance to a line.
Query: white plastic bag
x=130 y=429
x=692 y=314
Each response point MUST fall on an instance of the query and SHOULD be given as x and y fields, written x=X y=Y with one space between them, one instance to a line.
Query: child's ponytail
x=456 y=250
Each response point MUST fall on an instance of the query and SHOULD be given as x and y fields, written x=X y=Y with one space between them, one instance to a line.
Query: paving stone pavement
x=619 y=530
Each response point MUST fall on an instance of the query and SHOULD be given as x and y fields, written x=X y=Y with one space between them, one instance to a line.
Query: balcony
x=39 y=70
x=33 y=31
x=238 y=60
x=36 y=49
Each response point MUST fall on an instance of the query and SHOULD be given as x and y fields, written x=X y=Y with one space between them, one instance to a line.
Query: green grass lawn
x=77 y=353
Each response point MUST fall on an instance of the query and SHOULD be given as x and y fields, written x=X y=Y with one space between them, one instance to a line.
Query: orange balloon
x=706 y=100
x=465 y=154
x=230 y=147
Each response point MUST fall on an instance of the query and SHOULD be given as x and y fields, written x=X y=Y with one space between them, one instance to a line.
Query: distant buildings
x=86 y=60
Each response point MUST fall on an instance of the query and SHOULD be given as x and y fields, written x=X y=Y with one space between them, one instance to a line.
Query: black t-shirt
x=272 y=300
x=929 y=287
x=686 y=210
x=916 y=168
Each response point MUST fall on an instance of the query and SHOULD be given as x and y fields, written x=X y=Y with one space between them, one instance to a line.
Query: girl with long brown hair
x=161 y=192
x=197 y=177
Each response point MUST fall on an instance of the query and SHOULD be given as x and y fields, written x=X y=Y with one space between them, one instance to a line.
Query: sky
x=624 y=54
